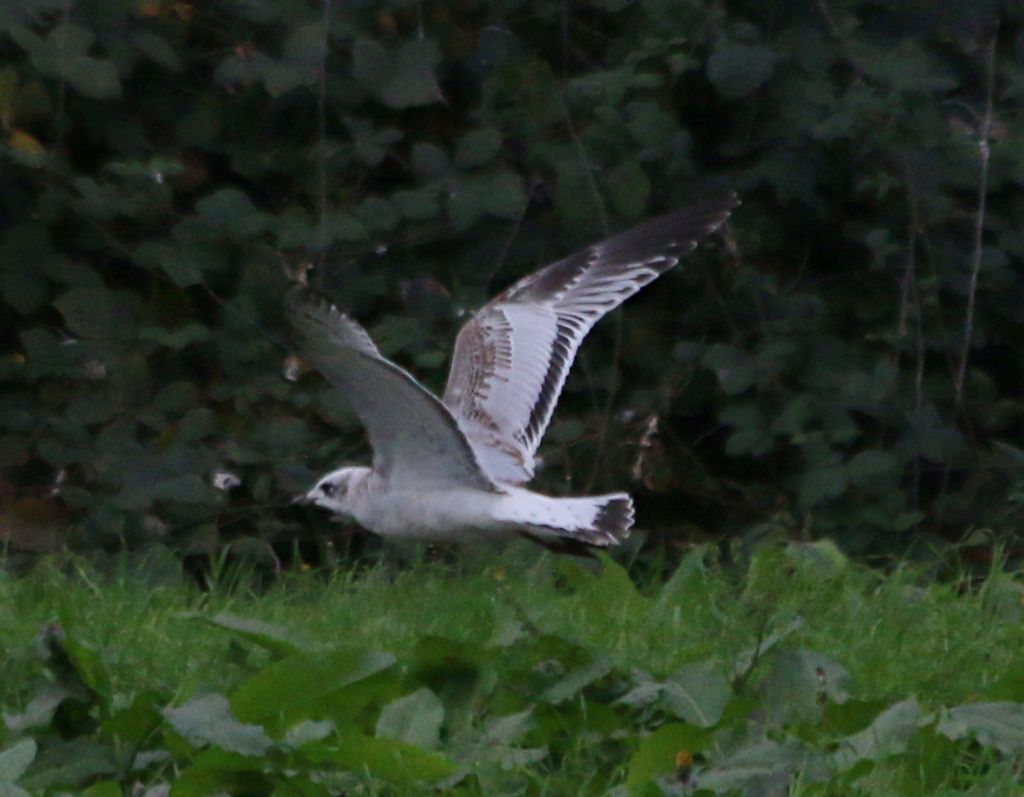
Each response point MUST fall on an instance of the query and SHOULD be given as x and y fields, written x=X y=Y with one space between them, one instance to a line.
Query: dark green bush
x=168 y=165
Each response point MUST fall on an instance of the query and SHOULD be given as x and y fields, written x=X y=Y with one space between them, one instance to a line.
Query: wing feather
x=512 y=358
x=414 y=437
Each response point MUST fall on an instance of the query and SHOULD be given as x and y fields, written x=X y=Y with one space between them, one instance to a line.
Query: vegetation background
x=844 y=361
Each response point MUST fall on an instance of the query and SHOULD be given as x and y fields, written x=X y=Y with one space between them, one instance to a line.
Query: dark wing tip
x=316 y=317
x=614 y=520
x=300 y=300
x=675 y=233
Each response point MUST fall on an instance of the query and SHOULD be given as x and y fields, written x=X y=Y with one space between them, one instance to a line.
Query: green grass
x=525 y=621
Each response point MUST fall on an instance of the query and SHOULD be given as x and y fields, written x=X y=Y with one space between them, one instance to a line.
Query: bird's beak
x=302 y=499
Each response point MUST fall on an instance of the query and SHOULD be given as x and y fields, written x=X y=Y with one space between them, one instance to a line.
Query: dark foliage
x=167 y=166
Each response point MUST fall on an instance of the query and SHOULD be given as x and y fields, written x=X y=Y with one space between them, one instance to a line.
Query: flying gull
x=453 y=469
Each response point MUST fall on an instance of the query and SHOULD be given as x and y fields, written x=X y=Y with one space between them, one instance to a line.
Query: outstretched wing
x=415 y=439
x=511 y=359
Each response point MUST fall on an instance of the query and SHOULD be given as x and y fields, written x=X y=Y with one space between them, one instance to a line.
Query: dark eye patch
x=328 y=489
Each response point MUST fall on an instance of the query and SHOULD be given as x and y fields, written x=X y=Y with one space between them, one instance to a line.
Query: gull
x=453 y=469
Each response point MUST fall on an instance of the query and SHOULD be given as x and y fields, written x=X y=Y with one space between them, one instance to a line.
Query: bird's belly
x=430 y=515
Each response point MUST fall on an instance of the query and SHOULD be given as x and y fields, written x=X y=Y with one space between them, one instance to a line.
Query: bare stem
x=62 y=89
x=588 y=173
x=984 y=151
x=322 y=142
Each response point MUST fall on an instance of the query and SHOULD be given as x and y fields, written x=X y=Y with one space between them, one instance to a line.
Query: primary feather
x=512 y=358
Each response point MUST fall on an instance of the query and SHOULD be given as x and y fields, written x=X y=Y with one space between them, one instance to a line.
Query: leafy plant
x=524 y=705
x=845 y=361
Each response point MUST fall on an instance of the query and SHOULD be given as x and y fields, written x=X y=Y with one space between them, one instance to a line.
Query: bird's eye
x=327 y=489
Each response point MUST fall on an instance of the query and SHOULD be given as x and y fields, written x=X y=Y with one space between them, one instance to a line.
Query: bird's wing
x=511 y=359
x=415 y=439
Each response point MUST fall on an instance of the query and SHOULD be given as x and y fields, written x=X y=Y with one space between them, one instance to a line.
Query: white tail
x=599 y=520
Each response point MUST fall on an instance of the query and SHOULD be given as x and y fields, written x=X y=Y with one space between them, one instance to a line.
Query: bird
x=455 y=468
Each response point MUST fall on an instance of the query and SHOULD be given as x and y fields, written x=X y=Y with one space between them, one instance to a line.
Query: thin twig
x=829 y=19
x=606 y=413
x=588 y=173
x=322 y=154
x=910 y=305
x=602 y=215
x=503 y=254
x=984 y=151
x=62 y=89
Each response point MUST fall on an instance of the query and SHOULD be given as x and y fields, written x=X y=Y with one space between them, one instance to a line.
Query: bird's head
x=334 y=490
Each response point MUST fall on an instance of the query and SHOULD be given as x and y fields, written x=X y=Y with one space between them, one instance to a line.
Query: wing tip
x=614 y=519
x=302 y=299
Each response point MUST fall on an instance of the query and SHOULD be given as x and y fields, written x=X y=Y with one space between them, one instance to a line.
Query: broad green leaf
x=371 y=64
x=179 y=338
x=308 y=731
x=156 y=48
x=170 y=259
x=868 y=468
x=413 y=81
x=40 y=709
x=736 y=69
x=232 y=211
x=822 y=483
x=207 y=720
x=303 y=679
x=750 y=436
x=800 y=685
x=380 y=757
x=418 y=205
x=697 y=693
x=93 y=77
x=105 y=788
x=930 y=436
x=753 y=769
x=653 y=126
x=823 y=555
x=16 y=759
x=999 y=725
x=402 y=79
x=629 y=189
x=464 y=203
x=477 y=148
x=415 y=718
x=492 y=746
x=377 y=214
x=735 y=369
x=177 y=397
x=504 y=195
x=133 y=724
x=508 y=729
x=610 y=594
x=794 y=417
x=274 y=638
x=748 y=657
x=217 y=772
x=26 y=292
x=343 y=227
x=577 y=680
x=430 y=160
x=99 y=313
x=887 y=735
x=372 y=144
x=69 y=764
x=657 y=754
x=88 y=663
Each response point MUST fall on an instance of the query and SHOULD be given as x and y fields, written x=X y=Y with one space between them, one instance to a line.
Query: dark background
x=166 y=167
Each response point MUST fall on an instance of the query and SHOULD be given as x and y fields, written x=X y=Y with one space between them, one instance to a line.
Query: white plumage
x=453 y=469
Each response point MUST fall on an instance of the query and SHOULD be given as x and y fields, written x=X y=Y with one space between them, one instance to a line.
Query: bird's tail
x=600 y=520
